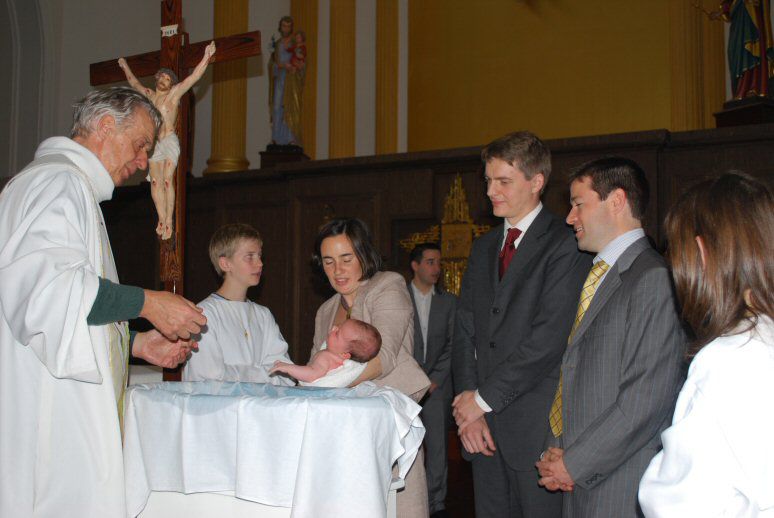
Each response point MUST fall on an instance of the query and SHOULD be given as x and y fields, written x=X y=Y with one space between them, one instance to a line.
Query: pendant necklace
x=347 y=307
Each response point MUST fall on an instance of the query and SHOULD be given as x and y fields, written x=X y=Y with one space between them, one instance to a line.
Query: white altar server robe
x=718 y=456
x=60 y=439
x=240 y=343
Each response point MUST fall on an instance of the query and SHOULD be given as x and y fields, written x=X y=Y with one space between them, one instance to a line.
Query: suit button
x=492 y=345
x=495 y=310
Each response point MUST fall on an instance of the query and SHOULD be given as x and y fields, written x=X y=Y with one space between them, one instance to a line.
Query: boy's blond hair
x=224 y=241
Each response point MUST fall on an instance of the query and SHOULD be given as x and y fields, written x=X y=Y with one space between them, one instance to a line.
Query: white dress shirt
x=423 y=301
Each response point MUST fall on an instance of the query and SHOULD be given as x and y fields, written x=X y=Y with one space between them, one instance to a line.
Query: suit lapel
x=494 y=258
x=527 y=248
x=610 y=285
x=435 y=320
x=419 y=345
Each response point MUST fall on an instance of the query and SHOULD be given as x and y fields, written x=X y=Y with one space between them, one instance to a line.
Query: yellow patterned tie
x=589 y=288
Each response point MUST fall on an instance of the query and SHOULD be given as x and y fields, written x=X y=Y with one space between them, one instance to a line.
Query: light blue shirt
x=615 y=248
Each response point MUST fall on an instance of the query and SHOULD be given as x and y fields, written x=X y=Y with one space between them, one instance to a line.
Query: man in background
x=433 y=328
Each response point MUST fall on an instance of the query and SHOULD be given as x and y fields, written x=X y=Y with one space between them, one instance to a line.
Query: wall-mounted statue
x=287 y=69
x=750 y=46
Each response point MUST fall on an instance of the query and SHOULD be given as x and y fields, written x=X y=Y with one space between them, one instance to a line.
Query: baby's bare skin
x=321 y=364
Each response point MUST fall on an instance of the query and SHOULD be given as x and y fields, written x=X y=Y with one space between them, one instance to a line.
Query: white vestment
x=241 y=342
x=718 y=457
x=60 y=437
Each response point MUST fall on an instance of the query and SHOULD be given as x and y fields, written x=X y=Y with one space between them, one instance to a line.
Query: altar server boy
x=241 y=341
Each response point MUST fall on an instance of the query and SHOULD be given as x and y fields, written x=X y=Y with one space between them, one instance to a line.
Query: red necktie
x=506 y=254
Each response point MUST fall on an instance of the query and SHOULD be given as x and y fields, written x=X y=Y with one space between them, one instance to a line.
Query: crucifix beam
x=148 y=63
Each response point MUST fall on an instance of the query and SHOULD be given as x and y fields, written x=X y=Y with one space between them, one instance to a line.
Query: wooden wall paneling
x=699 y=155
x=204 y=210
x=410 y=209
x=409 y=192
x=131 y=221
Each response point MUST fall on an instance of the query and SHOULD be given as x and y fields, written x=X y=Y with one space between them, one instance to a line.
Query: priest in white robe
x=64 y=342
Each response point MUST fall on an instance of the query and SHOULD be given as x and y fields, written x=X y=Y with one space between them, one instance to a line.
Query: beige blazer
x=384 y=302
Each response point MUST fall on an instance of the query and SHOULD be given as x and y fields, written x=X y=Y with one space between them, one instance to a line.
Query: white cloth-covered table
x=322 y=452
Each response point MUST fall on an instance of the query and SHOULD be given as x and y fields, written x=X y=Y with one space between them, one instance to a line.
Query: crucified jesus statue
x=166 y=97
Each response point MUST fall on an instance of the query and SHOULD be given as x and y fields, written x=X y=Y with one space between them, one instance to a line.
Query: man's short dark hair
x=615 y=172
x=418 y=251
x=522 y=150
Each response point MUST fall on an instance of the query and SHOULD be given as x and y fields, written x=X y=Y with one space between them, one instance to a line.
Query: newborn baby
x=353 y=339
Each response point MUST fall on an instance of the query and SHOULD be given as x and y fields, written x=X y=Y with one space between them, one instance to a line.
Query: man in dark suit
x=433 y=328
x=515 y=311
x=622 y=369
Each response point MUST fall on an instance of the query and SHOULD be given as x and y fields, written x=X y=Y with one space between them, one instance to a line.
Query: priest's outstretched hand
x=154 y=348
x=174 y=316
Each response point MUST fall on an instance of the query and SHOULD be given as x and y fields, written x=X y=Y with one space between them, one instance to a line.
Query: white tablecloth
x=323 y=452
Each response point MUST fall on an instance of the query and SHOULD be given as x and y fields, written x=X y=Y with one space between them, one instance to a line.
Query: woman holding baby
x=351 y=263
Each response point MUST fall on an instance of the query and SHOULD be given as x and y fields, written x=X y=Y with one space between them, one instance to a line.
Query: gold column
x=342 y=81
x=386 y=76
x=229 y=94
x=304 y=13
x=696 y=53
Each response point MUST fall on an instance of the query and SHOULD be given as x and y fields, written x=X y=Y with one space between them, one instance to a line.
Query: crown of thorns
x=168 y=72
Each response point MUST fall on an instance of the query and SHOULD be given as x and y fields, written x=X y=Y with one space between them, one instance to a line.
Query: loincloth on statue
x=167 y=148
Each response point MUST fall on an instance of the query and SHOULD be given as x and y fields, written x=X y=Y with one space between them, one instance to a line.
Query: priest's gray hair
x=120 y=102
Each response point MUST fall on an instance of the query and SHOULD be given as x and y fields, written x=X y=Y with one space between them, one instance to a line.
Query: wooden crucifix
x=178 y=55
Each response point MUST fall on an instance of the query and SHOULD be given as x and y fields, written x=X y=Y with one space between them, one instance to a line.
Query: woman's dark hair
x=734 y=217
x=357 y=233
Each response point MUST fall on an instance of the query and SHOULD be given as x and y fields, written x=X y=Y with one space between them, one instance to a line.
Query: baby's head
x=300 y=38
x=361 y=340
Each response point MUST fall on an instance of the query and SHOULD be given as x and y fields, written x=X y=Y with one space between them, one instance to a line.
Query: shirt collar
x=524 y=223
x=418 y=292
x=615 y=248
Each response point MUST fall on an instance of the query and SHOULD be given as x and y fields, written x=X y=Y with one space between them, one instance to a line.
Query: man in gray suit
x=433 y=327
x=515 y=311
x=622 y=369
